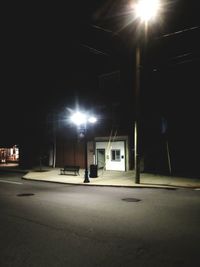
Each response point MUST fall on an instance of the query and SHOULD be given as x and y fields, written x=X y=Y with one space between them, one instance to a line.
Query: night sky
x=54 y=55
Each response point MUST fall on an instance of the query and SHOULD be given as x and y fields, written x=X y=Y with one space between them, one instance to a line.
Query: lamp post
x=144 y=11
x=82 y=120
x=86 y=176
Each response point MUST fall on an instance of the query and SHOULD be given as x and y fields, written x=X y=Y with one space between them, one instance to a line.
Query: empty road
x=46 y=224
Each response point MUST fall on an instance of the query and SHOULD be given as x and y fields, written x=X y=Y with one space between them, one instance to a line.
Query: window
x=115 y=155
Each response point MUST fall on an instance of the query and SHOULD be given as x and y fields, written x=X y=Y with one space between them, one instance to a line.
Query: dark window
x=115 y=155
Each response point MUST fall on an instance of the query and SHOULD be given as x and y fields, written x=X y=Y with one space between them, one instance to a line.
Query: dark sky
x=54 y=54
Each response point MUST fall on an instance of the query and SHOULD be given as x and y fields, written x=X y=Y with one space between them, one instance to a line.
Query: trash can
x=93 y=171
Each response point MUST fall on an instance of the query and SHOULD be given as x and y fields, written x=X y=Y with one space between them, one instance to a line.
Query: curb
x=153 y=186
x=102 y=185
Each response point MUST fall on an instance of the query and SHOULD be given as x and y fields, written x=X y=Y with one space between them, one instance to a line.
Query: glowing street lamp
x=81 y=120
x=147 y=10
x=144 y=11
x=78 y=118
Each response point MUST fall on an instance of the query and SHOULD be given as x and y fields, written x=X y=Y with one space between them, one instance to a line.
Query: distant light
x=147 y=9
x=92 y=119
x=78 y=118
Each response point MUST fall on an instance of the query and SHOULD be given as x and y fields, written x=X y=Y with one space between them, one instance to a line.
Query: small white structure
x=112 y=154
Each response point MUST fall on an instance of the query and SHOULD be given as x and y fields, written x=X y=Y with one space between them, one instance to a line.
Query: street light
x=81 y=120
x=144 y=11
x=147 y=10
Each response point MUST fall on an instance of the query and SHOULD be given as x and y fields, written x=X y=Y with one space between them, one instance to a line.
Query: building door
x=101 y=158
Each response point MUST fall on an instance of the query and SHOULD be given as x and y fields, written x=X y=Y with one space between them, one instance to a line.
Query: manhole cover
x=25 y=195
x=131 y=199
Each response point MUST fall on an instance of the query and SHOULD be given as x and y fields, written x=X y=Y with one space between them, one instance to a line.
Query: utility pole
x=137 y=117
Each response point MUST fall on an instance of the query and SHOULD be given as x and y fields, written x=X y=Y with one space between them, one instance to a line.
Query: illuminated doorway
x=101 y=158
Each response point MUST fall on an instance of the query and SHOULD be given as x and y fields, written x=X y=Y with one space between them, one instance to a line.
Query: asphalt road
x=45 y=224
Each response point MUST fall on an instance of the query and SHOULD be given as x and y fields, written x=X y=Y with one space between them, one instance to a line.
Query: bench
x=70 y=168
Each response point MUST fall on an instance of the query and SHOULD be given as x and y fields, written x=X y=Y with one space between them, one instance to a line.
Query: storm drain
x=25 y=195
x=170 y=188
x=131 y=199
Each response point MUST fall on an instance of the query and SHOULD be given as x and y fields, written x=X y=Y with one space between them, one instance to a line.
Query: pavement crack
x=35 y=222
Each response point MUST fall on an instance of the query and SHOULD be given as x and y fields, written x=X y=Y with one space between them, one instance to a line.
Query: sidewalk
x=113 y=178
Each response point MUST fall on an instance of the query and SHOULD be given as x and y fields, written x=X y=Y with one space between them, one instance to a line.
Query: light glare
x=92 y=119
x=78 y=118
x=147 y=9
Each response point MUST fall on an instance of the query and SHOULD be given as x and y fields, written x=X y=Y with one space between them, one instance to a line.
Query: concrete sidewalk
x=113 y=178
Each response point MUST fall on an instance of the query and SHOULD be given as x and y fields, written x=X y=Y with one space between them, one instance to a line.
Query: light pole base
x=86 y=180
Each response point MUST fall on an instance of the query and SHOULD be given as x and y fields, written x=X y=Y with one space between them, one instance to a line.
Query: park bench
x=70 y=168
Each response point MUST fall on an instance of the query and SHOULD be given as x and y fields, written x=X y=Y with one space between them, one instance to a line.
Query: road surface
x=46 y=224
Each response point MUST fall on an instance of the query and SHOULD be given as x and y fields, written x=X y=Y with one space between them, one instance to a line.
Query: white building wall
x=118 y=165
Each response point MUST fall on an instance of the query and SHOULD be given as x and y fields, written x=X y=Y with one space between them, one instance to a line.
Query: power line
x=178 y=32
x=187 y=61
x=102 y=29
x=178 y=60
x=94 y=50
